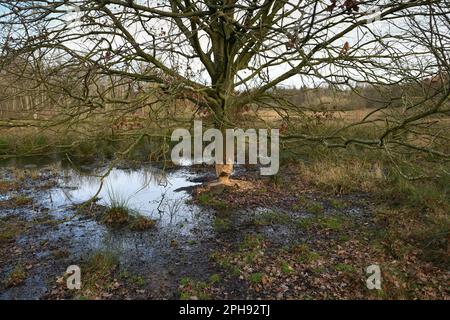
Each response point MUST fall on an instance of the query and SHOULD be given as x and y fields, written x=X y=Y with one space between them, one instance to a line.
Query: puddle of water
x=148 y=191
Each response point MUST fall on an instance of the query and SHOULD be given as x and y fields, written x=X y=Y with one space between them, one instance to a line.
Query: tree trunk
x=223 y=172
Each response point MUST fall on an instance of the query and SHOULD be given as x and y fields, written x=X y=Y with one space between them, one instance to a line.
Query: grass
x=191 y=289
x=346 y=268
x=271 y=217
x=249 y=254
x=100 y=263
x=97 y=275
x=323 y=222
x=207 y=199
x=60 y=253
x=222 y=224
x=411 y=221
x=250 y=257
x=139 y=281
x=141 y=223
x=120 y=214
x=315 y=207
x=16 y=277
x=21 y=200
x=406 y=230
x=3 y=145
x=19 y=174
x=215 y=278
x=6 y=186
x=308 y=257
x=116 y=216
x=309 y=205
x=304 y=254
x=221 y=260
x=255 y=278
x=9 y=234
x=335 y=223
x=226 y=261
x=10 y=229
x=338 y=204
x=410 y=217
x=251 y=242
x=342 y=175
x=286 y=268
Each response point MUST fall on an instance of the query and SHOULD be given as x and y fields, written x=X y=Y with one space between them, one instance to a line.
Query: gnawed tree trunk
x=223 y=173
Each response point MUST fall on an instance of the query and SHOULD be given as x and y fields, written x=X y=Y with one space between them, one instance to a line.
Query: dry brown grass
x=345 y=176
x=16 y=277
x=141 y=223
x=6 y=186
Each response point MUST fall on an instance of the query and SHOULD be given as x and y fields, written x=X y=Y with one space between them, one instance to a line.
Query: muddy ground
x=265 y=239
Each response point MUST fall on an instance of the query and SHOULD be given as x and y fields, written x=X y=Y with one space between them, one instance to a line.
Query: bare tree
x=223 y=55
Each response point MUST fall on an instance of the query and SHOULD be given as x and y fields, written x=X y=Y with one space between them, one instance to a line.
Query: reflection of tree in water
x=145 y=176
x=125 y=183
x=169 y=207
x=148 y=191
x=156 y=176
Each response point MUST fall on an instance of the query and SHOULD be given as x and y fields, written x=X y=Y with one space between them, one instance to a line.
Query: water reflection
x=148 y=191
